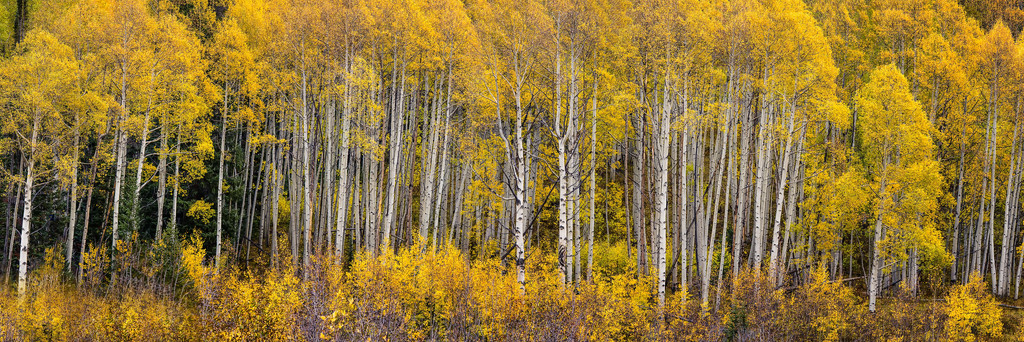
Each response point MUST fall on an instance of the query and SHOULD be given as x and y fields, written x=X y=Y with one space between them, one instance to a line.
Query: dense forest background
x=511 y=169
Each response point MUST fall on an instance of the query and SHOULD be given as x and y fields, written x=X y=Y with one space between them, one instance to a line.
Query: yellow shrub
x=973 y=312
x=94 y=261
x=821 y=310
x=429 y=295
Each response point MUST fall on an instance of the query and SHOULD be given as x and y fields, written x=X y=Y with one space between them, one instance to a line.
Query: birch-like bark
x=564 y=264
x=445 y=172
x=428 y=166
x=709 y=249
x=73 y=200
x=343 y=193
x=122 y=141
x=742 y=194
x=773 y=261
x=593 y=184
x=661 y=149
x=794 y=183
x=220 y=174
x=1002 y=287
x=959 y=207
x=992 y=199
x=637 y=186
x=307 y=200
x=876 y=256
x=522 y=201
x=275 y=202
x=161 y=187
x=143 y=144
x=763 y=173
x=393 y=166
x=331 y=135
x=26 y=217
x=177 y=185
x=684 y=222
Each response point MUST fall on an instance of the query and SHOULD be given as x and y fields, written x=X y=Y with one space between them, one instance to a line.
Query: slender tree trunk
x=343 y=186
x=959 y=206
x=220 y=174
x=73 y=202
x=773 y=262
x=564 y=262
x=684 y=222
x=307 y=199
x=173 y=227
x=135 y=221
x=1002 y=287
x=661 y=155
x=428 y=165
x=445 y=173
x=393 y=166
x=637 y=185
x=760 y=188
x=246 y=181
x=26 y=218
x=742 y=194
x=14 y=225
x=876 y=258
x=161 y=188
x=275 y=202
x=795 y=182
x=593 y=185
x=122 y=141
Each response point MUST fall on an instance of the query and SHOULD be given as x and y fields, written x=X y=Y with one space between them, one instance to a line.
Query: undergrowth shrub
x=821 y=310
x=417 y=294
x=973 y=312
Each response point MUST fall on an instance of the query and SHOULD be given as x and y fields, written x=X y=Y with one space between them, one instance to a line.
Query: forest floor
x=1013 y=321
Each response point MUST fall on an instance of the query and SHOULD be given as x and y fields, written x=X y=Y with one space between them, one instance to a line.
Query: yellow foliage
x=201 y=211
x=239 y=305
x=821 y=310
x=973 y=312
x=425 y=294
x=438 y=294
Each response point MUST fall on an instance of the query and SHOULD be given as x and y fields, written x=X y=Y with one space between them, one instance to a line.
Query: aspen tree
x=898 y=156
x=232 y=67
x=36 y=84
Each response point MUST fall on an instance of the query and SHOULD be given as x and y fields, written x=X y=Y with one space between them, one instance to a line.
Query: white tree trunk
x=341 y=216
x=393 y=165
x=220 y=174
x=876 y=259
x=593 y=185
x=328 y=187
x=26 y=218
x=307 y=199
x=773 y=260
x=661 y=148
x=442 y=180
x=1002 y=287
x=73 y=202
x=161 y=188
x=428 y=167
x=276 y=200
x=143 y=143
x=684 y=221
x=177 y=184
x=122 y=141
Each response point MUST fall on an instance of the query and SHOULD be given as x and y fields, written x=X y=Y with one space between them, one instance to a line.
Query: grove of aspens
x=511 y=170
